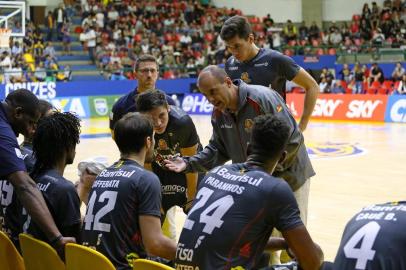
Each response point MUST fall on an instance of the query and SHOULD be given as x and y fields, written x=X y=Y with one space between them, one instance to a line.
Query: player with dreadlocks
x=54 y=147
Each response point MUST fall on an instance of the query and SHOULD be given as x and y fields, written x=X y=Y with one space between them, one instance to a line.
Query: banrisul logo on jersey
x=333 y=150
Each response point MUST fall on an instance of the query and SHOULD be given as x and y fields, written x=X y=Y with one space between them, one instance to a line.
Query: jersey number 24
x=212 y=215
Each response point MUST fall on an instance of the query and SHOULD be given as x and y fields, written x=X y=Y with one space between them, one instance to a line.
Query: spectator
x=66 y=38
x=346 y=74
x=335 y=37
x=376 y=74
x=314 y=31
x=50 y=51
x=337 y=87
x=398 y=72
x=290 y=31
x=49 y=24
x=401 y=89
x=325 y=87
x=59 y=18
x=359 y=78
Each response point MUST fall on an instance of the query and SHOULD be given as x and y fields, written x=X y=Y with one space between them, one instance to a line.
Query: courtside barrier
x=95 y=99
x=376 y=108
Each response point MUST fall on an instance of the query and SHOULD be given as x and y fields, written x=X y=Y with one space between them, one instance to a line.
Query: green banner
x=100 y=106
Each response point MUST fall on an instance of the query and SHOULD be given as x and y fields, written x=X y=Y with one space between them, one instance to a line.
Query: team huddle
x=239 y=215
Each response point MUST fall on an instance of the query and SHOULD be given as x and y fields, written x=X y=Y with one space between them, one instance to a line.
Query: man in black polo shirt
x=146 y=71
x=175 y=135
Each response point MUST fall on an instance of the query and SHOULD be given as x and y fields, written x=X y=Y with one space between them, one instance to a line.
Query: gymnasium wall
x=282 y=10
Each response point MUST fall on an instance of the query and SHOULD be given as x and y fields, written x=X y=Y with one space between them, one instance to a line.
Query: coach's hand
x=177 y=164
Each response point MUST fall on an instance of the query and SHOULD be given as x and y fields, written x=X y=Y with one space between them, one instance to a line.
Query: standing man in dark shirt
x=19 y=114
x=123 y=213
x=265 y=66
x=175 y=135
x=238 y=205
x=54 y=146
x=375 y=238
x=146 y=72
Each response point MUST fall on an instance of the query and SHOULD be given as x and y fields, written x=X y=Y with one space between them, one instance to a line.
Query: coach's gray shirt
x=231 y=134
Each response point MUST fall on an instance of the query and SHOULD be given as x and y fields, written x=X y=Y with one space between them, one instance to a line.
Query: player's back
x=374 y=239
x=235 y=210
x=63 y=203
x=118 y=196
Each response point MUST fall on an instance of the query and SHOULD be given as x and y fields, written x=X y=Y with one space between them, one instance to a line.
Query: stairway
x=79 y=61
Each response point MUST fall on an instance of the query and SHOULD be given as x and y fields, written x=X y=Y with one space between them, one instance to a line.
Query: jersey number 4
x=364 y=253
x=111 y=197
x=212 y=215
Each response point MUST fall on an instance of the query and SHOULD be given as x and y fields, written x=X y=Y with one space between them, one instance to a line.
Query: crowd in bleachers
x=374 y=27
x=31 y=59
x=361 y=80
x=182 y=35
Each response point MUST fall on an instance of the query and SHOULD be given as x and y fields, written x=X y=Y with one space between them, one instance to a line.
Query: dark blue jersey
x=119 y=195
x=126 y=104
x=11 y=160
x=63 y=203
x=374 y=239
x=13 y=213
x=29 y=159
x=268 y=68
x=180 y=133
x=236 y=208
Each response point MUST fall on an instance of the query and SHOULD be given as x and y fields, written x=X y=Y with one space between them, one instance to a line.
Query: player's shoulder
x=170 y=100
x=56 y=182
x=124 y=101
x=179 y=116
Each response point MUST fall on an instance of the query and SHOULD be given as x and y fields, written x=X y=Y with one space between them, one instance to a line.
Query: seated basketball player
x=54 y=147
x=375 y=238
x=237 y=206
x=123 y=213
x=175 y=135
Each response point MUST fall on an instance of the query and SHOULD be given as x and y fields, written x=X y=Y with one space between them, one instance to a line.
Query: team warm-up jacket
x=231 y=134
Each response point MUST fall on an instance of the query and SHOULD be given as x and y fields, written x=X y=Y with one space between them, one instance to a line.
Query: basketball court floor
x=356 y=164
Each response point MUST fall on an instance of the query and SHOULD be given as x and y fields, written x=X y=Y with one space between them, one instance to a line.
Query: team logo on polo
x=162 y=145
x=245 y=77
x=333 y=150
x=100 y=105
x=248 y=123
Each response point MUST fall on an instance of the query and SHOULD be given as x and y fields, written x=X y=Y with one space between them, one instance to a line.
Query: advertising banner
x=342 y=107
x=47 y=90
x=78 y=105
x=396 y=109
x=196 y=104
x=100 y=106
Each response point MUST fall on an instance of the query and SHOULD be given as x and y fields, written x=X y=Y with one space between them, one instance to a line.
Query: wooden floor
x=356 y=165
